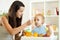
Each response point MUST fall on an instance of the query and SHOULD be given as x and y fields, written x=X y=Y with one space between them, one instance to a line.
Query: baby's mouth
x=36 y=24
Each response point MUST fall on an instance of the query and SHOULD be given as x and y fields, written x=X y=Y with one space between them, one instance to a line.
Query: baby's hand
x=48 y=27
x=48 y=33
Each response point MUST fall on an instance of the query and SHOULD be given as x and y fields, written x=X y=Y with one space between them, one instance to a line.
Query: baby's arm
x=48 y=31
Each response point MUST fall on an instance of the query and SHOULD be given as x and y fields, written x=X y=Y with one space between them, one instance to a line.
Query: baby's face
x=39 y=20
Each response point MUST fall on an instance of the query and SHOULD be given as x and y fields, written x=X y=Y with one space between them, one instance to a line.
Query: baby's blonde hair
x=39 y=15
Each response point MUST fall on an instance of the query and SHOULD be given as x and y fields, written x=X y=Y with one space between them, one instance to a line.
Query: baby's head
x=39 y=19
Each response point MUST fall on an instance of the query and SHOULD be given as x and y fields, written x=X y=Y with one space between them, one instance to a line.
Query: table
x=38 y=38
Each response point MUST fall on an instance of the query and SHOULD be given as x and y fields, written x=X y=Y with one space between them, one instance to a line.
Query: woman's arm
x=11 y=30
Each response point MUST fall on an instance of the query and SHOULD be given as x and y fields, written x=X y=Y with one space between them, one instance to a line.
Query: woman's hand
x=28 y=22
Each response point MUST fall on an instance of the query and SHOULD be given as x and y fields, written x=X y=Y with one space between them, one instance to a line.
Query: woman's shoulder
x=4 y=18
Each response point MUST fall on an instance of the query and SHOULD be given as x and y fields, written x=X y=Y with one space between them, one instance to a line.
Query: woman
x=12 y=22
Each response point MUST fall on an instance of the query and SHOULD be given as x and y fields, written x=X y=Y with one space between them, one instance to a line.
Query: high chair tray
x=38 y=38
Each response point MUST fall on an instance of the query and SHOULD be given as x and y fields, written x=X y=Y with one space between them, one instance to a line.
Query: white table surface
x=39 y=38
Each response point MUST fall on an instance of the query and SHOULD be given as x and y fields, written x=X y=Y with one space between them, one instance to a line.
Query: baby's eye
x=37 y=19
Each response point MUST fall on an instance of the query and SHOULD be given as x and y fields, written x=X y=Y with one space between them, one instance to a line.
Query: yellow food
x=28 y=34
x=35 y=34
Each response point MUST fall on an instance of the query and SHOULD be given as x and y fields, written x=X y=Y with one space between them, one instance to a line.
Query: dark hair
x=13 y=9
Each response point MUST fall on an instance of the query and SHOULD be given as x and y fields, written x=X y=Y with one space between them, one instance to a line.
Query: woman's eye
x=21 y=11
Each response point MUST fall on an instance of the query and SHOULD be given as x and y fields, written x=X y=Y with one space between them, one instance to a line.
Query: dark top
x=12 y=23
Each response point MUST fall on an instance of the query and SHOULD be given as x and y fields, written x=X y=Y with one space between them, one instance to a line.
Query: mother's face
x=19 y=12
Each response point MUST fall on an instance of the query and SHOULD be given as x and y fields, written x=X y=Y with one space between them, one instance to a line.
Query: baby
x=40 y=27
